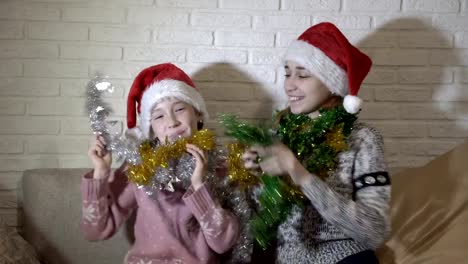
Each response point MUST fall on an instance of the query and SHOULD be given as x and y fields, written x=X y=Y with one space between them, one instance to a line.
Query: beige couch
x=429 y=216
x=52 y=212
x=430 y=212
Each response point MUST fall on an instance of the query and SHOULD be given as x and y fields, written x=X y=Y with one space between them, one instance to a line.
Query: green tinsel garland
x=315 y=142
x=308 y=137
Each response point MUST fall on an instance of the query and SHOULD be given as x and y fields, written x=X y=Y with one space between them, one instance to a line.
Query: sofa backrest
x=52 y=213
x=429 y=212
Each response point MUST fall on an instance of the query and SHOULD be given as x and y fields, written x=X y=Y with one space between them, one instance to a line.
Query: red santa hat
x=325 y=51
x=151 y=86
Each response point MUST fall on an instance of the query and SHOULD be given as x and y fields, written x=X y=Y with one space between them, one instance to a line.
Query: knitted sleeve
x=365 y=218
x=107 y=203
x=219 y=226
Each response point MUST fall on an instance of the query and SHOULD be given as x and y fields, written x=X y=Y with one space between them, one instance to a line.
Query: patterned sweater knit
x=346 y=213
x=161 y=229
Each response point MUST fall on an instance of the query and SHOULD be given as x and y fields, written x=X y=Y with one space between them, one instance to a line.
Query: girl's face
x=172 y=119
x=306 y=92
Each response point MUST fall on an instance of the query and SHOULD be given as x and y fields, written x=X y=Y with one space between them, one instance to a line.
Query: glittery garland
x=316 y=143
x=155 y=157
x=98 y=111
x=238 y=174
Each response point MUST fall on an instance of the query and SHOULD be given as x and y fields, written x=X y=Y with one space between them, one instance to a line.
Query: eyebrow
x=156 y=111
x=179 y=102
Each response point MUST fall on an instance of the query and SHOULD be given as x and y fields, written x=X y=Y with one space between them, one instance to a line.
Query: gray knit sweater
x=347 y=213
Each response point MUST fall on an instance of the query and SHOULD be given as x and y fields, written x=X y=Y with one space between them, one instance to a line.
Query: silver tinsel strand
x=98 y=111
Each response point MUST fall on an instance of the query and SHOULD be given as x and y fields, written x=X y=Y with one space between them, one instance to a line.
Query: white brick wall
x=416 y=93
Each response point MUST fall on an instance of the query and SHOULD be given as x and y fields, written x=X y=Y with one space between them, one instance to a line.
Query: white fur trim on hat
x=319 y=64
x=352 y=104
x=168 y=88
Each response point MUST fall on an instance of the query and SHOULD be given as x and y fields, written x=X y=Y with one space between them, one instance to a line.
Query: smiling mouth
x=295 y=99
x=177 y=135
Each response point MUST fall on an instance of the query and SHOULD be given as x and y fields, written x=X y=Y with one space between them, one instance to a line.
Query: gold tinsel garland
x=336 y=139
x=153 y=158
x=238 y=174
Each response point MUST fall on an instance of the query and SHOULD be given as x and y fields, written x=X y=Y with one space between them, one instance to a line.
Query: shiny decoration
x=315 y=142
x=276 y=201
x=245 y=133
x=154 y=157
x=238 y=174
x=336 y=139
x=99 y=111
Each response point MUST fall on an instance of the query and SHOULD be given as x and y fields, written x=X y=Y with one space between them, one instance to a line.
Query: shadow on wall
x=413 y=76
x=228 y=89
x=412 y=82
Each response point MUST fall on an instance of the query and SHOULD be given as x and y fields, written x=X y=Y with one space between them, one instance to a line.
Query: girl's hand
x=250 y=159
x=201 y=162
x=100 y=157
x=278 y=159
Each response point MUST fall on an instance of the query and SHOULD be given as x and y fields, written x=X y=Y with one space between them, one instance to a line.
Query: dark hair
x=332 y=101
x=200 y=125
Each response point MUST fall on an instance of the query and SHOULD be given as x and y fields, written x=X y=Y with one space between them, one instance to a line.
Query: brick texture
x=416 y=92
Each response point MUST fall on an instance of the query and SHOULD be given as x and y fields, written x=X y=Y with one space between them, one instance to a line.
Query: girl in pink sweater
x=182 y=225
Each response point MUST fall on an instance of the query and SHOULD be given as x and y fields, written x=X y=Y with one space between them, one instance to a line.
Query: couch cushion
x=430 y=212
x=52 y=212
x=13 y=248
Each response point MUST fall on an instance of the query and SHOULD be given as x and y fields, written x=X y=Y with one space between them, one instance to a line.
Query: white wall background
x=416 y=94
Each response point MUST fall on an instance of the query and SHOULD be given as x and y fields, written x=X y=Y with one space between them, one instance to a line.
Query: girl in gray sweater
x=345 y=216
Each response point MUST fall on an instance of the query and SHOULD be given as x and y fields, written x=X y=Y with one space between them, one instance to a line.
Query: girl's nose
x=173 y=121
x=290 y=84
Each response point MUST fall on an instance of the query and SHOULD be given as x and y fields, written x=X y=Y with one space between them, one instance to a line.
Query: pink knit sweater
x=161 y=233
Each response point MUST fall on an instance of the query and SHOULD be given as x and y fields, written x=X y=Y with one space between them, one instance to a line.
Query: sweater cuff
x=93 y=189
x=199 y=201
